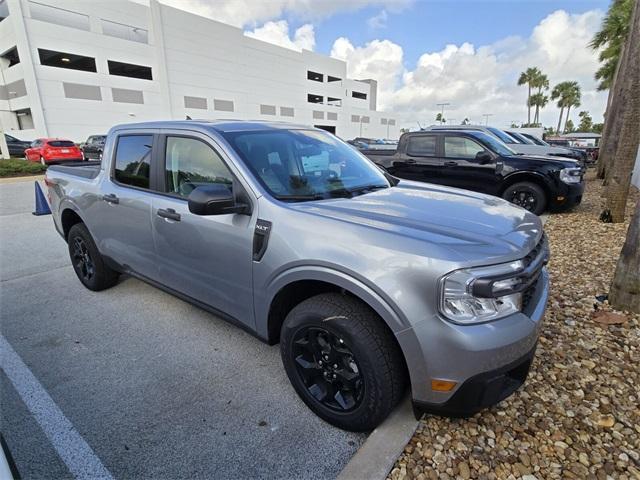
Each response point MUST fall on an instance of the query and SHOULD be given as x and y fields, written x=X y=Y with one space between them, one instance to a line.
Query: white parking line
x=77 y=455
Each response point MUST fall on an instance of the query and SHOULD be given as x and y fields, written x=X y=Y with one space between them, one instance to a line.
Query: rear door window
x=133 y=160
x=422 y=146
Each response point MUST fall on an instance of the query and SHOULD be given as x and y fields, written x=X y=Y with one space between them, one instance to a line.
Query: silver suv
x=369 y=283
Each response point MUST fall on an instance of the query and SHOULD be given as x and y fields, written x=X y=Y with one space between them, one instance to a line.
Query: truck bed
x=87 y=170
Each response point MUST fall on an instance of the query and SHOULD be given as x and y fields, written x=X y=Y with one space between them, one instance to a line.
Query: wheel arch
x=68 y=218
x=296 y=285
x=526 y=177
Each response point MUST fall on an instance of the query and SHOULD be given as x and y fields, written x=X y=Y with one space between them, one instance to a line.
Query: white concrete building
x=74 y=68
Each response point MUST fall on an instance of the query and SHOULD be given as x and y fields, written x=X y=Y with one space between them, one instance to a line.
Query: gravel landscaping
x=578 y=415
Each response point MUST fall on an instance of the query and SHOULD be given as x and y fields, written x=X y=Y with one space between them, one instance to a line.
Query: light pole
x=486 y=117
x=442 y=110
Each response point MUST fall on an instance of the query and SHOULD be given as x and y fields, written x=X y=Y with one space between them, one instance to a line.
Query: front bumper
x=482 y=390
x=488 y=362
x=569 y=197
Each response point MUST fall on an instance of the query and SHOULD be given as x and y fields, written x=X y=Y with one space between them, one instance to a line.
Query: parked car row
x=56 y=150
x=369 y=282
x=475 y=160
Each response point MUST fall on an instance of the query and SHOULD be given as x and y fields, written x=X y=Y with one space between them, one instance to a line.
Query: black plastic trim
x=261 y=239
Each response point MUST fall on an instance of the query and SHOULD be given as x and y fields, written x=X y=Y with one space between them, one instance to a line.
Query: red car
x=53 y=150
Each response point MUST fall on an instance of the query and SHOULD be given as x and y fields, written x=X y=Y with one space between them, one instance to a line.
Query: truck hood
x=562 y=162
x=539 y=149
x=473 y=227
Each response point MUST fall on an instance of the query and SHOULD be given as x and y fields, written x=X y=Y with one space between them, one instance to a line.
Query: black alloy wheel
x=82 y=260
x=328 y=369
x=87 y=261
x=527 y=195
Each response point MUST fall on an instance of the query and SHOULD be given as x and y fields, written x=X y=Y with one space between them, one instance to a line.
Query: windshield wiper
x=300 y=198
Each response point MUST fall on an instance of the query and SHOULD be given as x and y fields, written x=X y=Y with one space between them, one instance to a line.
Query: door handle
x=410 y=160
x=111 y=198
x=450 y=164
x=169 y=213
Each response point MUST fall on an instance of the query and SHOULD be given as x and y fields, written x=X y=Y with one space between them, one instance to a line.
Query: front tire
x=342 y=361
x=87 y=261
x=527 y=195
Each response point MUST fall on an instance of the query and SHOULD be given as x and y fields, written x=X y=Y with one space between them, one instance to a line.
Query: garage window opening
x=71 y=61
x=130 y=70
x=11 y=56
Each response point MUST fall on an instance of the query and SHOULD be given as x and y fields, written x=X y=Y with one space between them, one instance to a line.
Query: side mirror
x=484 y=157
x=214 y=199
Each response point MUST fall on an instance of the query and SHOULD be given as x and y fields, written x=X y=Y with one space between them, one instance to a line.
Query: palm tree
x=529 y=77
x=573 y=98
x=541 y=83
x=538 y=100
x=559 y=93
x=610 y=38
x=586 y=122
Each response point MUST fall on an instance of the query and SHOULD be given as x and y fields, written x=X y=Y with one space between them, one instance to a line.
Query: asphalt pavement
x=137 y=381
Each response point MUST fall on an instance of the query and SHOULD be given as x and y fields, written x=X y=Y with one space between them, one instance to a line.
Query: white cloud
x=379 y=59
x=378 y=21
x=478 y=80
x=278 y=34
x=253 y=12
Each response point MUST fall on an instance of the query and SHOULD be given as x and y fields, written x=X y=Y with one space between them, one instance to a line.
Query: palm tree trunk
x=605 y=154
x=559 y=121
x=566 y=119
x=529 y=105
x=624 y=293
x=628 y=136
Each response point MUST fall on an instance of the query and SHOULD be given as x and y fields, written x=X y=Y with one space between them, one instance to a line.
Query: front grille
x=539 y=249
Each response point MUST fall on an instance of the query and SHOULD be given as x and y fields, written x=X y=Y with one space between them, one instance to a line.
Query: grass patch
x=17 y=168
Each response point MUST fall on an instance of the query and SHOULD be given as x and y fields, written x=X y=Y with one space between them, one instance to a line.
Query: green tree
x=529 y=78
x=569 y=126
x=568 y=95
x=597 y=128
x=538 y=100
x=586 y=122
x=610 y=39
x=465 y=121
x=440 y=118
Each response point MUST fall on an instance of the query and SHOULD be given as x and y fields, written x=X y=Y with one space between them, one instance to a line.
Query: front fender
x=389 y=312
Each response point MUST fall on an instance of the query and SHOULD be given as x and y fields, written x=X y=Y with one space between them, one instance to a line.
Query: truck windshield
x=493 y=143
x=301 y=165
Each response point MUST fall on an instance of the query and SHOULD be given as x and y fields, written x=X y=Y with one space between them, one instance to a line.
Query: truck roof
x=218 y=125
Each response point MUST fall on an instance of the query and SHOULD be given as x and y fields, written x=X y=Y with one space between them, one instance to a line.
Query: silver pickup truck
x=369 y=283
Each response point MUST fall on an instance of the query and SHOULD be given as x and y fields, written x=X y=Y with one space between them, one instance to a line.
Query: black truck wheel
x=342 y=361
x=527 y=195
x=87 y=261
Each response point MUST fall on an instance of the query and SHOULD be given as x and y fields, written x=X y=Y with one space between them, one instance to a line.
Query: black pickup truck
x=476 y=161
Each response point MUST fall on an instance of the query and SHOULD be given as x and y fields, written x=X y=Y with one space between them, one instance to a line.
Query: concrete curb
x=377 y=455
x=29 y=178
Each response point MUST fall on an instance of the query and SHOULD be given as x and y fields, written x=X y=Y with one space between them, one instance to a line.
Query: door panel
x=420 y=162
x=464 y=170
x=124 y=230
x=208 y=258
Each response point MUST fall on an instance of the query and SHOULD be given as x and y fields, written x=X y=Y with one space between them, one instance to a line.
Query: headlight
x=571 y=175
x=458 y=303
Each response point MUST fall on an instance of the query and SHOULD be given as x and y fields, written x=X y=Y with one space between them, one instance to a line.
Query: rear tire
x=87 y=261
x=527 y=195
x=342 y=361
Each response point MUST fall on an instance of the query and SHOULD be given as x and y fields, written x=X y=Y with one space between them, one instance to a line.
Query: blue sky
x=430 y=25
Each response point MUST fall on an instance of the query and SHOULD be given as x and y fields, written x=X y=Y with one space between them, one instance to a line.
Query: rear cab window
x=422 y=145
x=132 y=164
